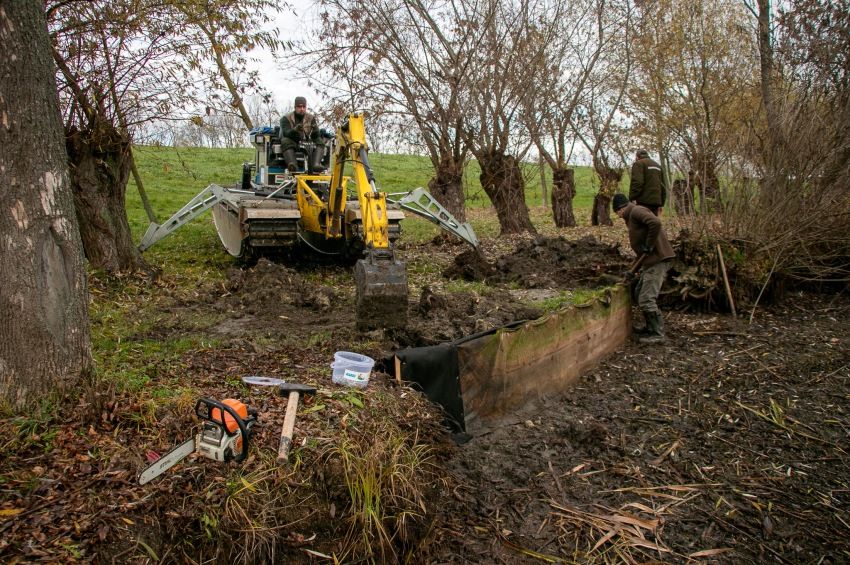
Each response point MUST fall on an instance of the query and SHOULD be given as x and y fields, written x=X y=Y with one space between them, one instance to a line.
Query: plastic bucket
x=351 y=369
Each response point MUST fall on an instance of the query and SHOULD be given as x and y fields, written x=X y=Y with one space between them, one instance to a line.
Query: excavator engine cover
x=381 y=291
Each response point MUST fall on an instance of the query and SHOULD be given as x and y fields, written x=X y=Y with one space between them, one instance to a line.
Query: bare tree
x=511 y=56
x=406 y=58
x=120 y=65
x=595 y=121
x=43 y=296
x=583 y=34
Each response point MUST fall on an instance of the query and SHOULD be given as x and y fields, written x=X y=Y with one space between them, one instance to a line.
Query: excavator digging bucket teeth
x=381 y=283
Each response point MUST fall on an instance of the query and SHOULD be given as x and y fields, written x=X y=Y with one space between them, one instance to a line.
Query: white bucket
x=351 y=369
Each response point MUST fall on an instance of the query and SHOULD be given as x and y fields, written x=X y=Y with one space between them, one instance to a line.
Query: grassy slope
x=173 y=176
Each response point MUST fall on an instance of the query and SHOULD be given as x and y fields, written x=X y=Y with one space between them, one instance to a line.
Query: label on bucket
x=355 y=376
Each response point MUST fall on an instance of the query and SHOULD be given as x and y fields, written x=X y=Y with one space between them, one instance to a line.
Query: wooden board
x=503 y=371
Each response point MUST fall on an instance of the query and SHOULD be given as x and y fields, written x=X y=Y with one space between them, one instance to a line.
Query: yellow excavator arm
x=351 y=147
x=381 y=293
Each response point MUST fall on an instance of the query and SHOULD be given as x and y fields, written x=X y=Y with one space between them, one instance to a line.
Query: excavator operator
x=300 y=126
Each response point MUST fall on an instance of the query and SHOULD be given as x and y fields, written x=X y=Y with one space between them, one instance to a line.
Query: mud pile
x=269 y=289
x=544 y=262
x=445 y=317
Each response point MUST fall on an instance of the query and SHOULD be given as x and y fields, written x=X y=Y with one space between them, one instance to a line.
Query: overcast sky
x=282 y=82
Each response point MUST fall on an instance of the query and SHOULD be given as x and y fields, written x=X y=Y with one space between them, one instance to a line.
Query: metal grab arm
x=420 y=202
x=205 y=200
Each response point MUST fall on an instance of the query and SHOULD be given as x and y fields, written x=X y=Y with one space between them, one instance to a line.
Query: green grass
x=174 y=176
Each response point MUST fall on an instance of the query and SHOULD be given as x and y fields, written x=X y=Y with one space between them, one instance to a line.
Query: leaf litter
x=726 y=444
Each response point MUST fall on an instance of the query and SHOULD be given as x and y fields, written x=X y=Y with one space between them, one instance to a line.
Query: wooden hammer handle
x=288 y=427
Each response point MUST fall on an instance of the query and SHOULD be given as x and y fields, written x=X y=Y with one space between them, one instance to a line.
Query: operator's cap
x=299 y=100
x=641 y=153
x=620 y=201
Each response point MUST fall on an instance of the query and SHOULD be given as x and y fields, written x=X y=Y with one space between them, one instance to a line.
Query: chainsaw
x=224 y=436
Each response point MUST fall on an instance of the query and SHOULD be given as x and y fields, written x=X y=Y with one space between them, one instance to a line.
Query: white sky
x=281 y=82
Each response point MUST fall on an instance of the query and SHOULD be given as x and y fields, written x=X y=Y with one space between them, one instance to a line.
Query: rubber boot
x=316 y=159
x=639 y=330
x=289 y=159
x=655 y=327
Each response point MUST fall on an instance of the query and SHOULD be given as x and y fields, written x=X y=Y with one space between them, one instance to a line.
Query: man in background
x=648 y=186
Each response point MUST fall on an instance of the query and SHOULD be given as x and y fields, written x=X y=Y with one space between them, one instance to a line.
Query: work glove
x=629 y=277
x=648 y=249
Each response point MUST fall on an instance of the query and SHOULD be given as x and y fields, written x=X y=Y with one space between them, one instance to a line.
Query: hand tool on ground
x=262 y=381
x=294 y=390
x=224 y=436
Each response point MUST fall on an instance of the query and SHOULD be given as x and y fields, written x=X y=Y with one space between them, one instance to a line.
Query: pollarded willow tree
x=513 y=43
x=584 y=39
x=43 y=296
x=127 y=63
x=597 y=121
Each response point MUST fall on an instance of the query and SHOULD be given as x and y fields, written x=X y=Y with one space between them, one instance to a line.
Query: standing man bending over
x=646 y=237
x=648 y=186
x=300 y=126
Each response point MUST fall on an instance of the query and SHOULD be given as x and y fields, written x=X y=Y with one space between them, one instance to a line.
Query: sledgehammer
x=294 y=390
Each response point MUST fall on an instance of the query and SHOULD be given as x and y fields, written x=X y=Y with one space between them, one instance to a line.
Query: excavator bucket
x=381 y=283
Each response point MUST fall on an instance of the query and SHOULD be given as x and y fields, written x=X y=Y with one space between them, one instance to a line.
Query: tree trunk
x=683 y=197
x=45 y=346
x=502 y=180
x=707 y=182
x=563 y=192
x=101 y=161
x=447 y=187
x=609 y=183
x=542 y=168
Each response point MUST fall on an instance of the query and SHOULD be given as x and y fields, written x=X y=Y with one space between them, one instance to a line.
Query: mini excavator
x=328 y=214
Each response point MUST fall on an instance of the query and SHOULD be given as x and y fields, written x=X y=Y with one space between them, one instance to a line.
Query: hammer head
x=286 y=388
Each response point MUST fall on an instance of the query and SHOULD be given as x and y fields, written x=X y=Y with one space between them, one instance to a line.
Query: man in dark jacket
x=646 y=237
x=299 y=126
x=648 y=186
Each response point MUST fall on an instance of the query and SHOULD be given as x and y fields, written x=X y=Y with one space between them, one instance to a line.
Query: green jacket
x=645 y=229
x=299 y=128
x=648 y=185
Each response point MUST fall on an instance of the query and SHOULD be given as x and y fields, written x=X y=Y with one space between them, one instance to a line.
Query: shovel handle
x=638 y=262
x=288 y=428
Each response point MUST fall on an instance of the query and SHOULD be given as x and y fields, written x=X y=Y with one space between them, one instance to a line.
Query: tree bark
x=502 y=180
x=765 y=44
x=45 y=346
x=543 y=192
x=707 y=183
x=101 y=162
x=609 y=182
x=447 y=187
x=683 y=197
x=563 y=192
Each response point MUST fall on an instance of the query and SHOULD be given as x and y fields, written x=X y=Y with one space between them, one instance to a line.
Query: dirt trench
x=709 y=448
x=727 y=444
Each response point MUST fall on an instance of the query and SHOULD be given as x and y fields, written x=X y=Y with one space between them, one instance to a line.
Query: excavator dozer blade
x=381 y=282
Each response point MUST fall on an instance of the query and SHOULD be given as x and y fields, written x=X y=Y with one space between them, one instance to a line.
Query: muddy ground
x=727 y=444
